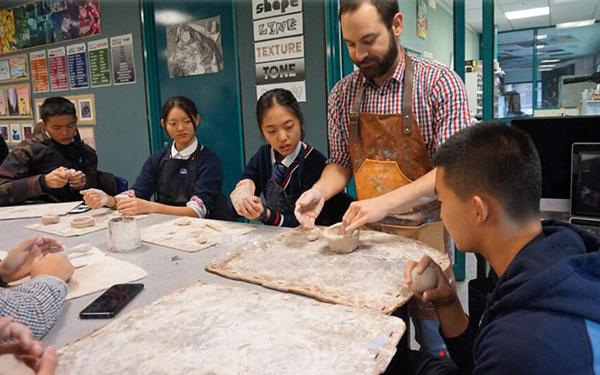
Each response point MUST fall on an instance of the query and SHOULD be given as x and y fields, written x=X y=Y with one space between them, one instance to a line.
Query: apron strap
x=407 y=96
x=354 y=114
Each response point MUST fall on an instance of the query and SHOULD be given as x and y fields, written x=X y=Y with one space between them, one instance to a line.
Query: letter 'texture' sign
x=272 y=8
x=280 y=71
x=279 y=49
x=278 y=27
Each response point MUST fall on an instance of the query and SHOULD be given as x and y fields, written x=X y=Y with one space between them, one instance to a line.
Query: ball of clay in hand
x=425 y=281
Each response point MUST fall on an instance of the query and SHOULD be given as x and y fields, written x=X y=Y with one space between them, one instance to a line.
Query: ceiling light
x=540 y=46
x=567 y=25
x=542 y=36
x=547 y=66
x=549 y=61
x=526 y=13
x=545 y=70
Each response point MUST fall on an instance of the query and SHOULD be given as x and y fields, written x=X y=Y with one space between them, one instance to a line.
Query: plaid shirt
x=439 y=103
x=36 y=304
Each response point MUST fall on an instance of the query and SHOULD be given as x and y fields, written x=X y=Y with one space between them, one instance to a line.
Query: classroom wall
x=315 y=108
x=122 y=137
x=472 y=40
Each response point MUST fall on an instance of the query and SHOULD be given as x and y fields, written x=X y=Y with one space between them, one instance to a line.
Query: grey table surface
x=168 y=269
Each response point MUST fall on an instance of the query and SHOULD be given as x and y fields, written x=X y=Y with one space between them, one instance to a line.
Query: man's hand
x=250 y=208
x=134 y=206
x=96 y=198
x=308 y=207
x=77 y=180
x=363 y=212
x=444 y=294
x=247 y=181
x=53 y=265
x=43 y=362
x=19 y=260
x=58 y=178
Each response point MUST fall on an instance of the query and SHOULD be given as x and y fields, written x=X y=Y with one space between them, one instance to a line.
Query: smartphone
x=80 y=209
x=111 y=301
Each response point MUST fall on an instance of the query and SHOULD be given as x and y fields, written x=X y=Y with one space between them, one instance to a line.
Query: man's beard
x=381 y=65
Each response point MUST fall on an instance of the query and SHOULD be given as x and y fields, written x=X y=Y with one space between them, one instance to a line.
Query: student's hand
x=43 y=362
x=57 y=179
x=134 y=206
x=96 y=198
x=53 y=265
x=251 y=208
x=77 y=180
x=363 y=212
x=247 y=181
x=308 y=207
x=19 y=260
x=444 y=294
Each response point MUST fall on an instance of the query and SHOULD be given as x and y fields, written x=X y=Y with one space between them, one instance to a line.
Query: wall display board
x=195 y=48
x=44 y=22
x=279 y=47
x=14 y=132
x=15 y=101
x=14 y=68
x=39 y=72
x=84 y=106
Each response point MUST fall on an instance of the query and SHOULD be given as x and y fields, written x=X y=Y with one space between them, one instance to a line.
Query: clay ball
x=425 y=281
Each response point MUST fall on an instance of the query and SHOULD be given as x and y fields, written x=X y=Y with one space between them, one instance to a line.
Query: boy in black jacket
x=543 y=310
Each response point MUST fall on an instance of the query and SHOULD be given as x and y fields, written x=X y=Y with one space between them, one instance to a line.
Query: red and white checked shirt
x=439 y=103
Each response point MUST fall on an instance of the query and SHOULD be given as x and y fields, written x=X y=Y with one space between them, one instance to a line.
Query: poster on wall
x=3 y=103
x=272 y=8
x=297 y=88
x=57 y=64
x=39 y=71
x=195 y=48
x=77 y=62
x=123 y=64
x=18 y=67
x=280 y=71
x=4 y=131
x=278 y=27
x=87 y=136
x=13 y=101
x=4 y=70
x=422 y=19
x=99 y=63
x=43 y=22
x=279 y=49
x=24 y=101
x=15 y=133
x=27 y=131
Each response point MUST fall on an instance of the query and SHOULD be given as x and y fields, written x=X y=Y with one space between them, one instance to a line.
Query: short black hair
x=387 y=9
x=284 y=98
x=496 y=159
x=184 y=103
x=56 y=106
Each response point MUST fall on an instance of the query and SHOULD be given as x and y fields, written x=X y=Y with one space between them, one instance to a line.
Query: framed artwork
x=15 y=133
x=85 y=110
x=4 y=131
x=27 y=131
x=37 y=104
x=87 y=135
x=15 y=101
x=18 y=67
x=4 y=70
x=84 y=107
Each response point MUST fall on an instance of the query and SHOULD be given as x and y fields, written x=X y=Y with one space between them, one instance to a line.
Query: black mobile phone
x=111 y=301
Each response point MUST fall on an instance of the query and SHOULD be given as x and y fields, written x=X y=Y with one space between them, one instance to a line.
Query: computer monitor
x=585 y=181
x=554 y=137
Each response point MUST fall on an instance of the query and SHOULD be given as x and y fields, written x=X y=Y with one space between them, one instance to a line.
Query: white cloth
x=287 y=161
x=186 y=153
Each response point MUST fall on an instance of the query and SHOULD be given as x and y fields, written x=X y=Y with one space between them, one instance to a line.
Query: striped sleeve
x=450 y=107
x=35 y=304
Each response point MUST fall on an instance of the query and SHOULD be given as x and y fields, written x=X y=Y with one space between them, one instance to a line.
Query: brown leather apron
x=387 y=152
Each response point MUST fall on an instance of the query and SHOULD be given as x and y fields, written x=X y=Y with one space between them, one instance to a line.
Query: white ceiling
x=560 y=11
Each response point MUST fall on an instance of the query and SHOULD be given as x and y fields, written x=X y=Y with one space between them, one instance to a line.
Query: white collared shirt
x=288 y=160
x=186 y=153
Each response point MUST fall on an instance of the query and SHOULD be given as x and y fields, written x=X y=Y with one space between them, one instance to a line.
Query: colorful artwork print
x=3 y=103
x=4 y=132
x=24 y=101
x=18 y=67
x=4 y=70
x=47 y=21
x=15 y=133
x=13 y=102
x=422 y=19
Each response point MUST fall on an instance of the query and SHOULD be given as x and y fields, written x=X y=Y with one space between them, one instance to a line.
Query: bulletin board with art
x=84 y=106
x=14 y=68
x=42 y=22
x=15 y=101
x=15 y=132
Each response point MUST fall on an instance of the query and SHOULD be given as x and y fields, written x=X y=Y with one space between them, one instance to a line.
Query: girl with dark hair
x=186 y=177
x=282 y=169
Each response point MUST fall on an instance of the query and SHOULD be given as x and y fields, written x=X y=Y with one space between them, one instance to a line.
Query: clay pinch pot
x=338 y=241
x=83 y=222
